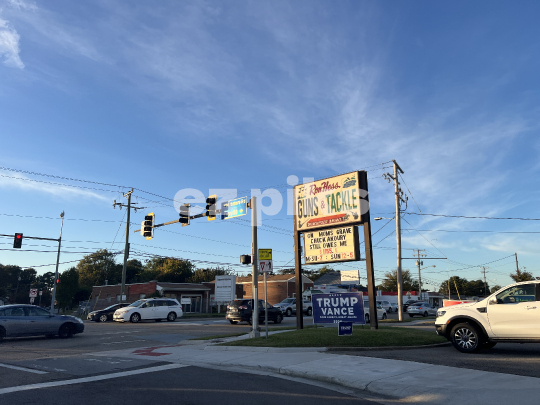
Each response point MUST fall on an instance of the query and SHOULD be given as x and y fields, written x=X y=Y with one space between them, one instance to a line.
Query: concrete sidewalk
x=406 y=381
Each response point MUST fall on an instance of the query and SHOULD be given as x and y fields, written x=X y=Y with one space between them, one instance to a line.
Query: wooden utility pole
x=398 y=239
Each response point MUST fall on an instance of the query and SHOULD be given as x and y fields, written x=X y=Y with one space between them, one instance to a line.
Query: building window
x=108 y=297
x=141 y=296
x=117 y=297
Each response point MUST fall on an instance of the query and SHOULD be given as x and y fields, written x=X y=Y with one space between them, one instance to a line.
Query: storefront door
x=195 y=303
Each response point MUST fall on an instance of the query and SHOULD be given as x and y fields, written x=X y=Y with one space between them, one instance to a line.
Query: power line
x=467 y=217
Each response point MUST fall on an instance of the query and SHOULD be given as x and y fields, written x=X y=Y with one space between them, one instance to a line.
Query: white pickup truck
x=288 y=307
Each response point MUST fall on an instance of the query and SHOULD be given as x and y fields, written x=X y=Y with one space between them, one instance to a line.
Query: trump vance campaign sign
x=338 y=307
x=329 y=202
x=331 y=245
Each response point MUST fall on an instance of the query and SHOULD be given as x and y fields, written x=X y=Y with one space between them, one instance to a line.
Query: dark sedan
x=30 y=320
x=240 y=310
x=104 y=315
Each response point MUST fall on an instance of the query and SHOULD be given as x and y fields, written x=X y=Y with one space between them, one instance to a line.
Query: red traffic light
x=18 y=236
x=17 y=241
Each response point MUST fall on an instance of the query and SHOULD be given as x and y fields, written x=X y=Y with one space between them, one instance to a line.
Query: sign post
x=265 y=267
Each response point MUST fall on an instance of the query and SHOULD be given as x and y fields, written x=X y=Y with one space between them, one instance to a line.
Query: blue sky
x=168 y=95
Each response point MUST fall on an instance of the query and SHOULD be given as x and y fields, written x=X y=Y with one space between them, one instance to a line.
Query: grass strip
x=328 y=337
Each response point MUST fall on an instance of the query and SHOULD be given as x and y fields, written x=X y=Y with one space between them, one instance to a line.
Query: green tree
x=495 y=288
x=390 y=281
x=209 y=274
x=168 y=269
x=521 y=275
x=134 y=270
x=68 y=287
x=97 y=267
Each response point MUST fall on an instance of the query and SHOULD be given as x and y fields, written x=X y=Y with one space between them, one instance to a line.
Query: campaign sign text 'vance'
x=338 y=307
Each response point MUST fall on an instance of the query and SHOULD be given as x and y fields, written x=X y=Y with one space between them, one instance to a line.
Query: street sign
x=234 y=208
x=265 y=266
x=225 y=288
x=338 y=307
x=31 y=300
x=345 y=329
x=265 y=254
x=33 y=293
x=331 y=245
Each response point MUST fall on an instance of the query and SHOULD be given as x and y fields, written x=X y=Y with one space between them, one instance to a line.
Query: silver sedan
x=422 y=308
x=31 y=320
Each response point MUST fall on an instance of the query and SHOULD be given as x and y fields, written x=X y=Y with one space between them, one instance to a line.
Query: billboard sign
x=225 y=288
x=330 y=202
x=350 y=277
x=338 y=307
x=331 y=245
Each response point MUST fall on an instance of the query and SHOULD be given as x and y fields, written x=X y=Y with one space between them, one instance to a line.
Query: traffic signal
x=211 y=207
x=245 y=259
x=17 y=241
x=58 y=280
x=184 y=215
x=147 y=226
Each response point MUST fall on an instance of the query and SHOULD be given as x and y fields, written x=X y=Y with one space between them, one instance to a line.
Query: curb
x=367 y=349
x=266 y=349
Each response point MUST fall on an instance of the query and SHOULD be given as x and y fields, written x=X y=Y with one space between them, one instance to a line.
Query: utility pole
x=419 y=263
x=517 y=267
x=399 y=199
x=255 y=272
x=484 y=271
x=53 y=299
x=126 y=246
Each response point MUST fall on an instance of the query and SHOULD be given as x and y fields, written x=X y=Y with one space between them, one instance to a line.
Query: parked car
x=422 y=308
x=241 y=311
x=104 y=315
x=156 y=309
x=31 y=320
x=381 y=312
x=409 y=302
x=395 y=307
x=509 y=315
x=386 y=305
x=288 y=307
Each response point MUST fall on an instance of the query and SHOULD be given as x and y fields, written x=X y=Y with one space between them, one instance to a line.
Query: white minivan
x=150 y=309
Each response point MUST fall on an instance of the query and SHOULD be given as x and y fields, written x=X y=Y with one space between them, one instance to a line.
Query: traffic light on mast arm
x=184 y=215
x=17 y=241
x=211 y=207
x=147 y=226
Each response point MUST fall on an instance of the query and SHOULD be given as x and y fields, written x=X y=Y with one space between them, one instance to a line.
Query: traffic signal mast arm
x=165 y=223
x=31 y=237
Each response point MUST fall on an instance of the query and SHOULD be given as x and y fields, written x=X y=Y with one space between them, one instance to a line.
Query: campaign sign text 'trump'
x=338 y=307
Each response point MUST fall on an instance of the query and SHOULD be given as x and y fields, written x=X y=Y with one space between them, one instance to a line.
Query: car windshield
x=287 y=301
x=137 y=303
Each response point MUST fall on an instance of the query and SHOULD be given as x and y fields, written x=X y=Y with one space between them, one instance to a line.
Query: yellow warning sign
x=265 y=254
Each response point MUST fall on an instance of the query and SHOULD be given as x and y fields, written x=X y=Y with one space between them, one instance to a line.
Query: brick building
x=279 y=287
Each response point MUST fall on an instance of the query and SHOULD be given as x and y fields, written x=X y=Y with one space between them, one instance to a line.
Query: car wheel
x=384 y=316
x=171 y=317
x=233 y=322
x=489 y=345
x=366 y=317
x=103 y=318
x=279 y=318
x=135 y=318
x=425 y=314
x=309 y=312
x=466 y=338
x=65 y=331
x=2 y=334
x=289 y=312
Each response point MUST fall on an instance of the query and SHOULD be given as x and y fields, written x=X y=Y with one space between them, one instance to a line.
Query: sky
x=165 y=96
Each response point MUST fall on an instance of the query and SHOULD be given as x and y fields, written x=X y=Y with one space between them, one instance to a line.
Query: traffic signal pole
x=53 y=299
x=255 y=274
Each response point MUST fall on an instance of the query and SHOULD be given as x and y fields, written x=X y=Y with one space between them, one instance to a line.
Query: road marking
x=90 y=379
x=23 y=369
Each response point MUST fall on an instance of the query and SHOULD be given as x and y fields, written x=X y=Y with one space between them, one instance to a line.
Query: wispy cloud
x=9 y=45
x=23 y=183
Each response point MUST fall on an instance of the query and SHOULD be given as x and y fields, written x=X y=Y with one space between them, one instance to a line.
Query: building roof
x=183 y=286
x=332 y=277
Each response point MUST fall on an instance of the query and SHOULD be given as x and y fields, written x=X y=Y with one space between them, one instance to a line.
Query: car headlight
x=441 y=313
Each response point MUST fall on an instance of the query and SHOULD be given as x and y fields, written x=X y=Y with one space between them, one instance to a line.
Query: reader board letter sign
x=225 y=288
x=331 y=245
x=330 y=202
x=338 y=307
